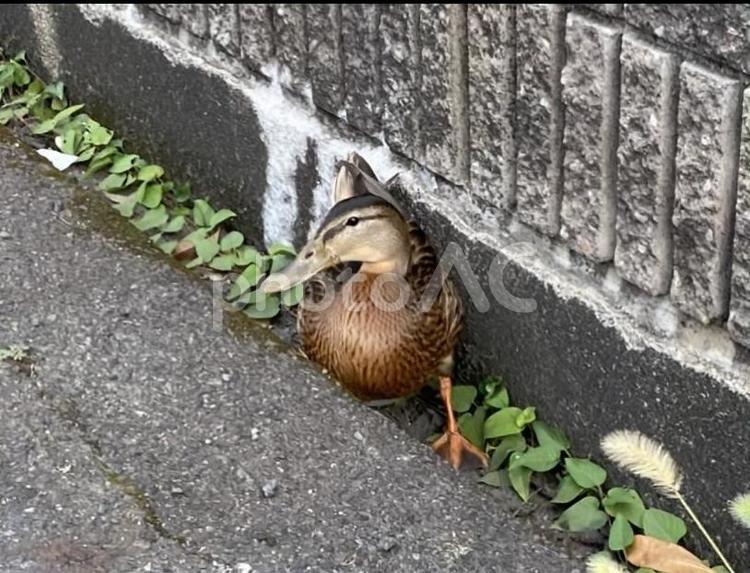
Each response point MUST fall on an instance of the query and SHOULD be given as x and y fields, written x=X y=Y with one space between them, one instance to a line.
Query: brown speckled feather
x=375 y=352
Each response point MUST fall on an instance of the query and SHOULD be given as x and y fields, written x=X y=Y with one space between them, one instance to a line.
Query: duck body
x=377 y=336
x=378 y=311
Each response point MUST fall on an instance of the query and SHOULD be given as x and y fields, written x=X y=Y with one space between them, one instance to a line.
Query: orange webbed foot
x=452 y=446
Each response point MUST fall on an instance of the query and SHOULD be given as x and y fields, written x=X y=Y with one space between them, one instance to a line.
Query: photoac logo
x=482 y=288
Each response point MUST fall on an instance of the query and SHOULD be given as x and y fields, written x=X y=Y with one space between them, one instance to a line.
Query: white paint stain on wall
x=287 y=125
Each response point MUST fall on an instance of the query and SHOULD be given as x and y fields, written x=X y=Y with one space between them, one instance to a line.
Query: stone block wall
x=614 y=129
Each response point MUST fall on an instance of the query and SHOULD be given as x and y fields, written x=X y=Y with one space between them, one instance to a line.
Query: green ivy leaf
x=12 y=113
x=620 y=534
x=463 y=398
x=520 y=480
x=499 y=398
x=180 y=210
x=548 y=435
x=196 y=235
x=152 y=218
x=219 y=217
x=223 y=263
x=293 y=296
x=202 y=212
x=503 y=423
x=123 y=163
x=471 y=426
x=584 y=515
x=488 y=385
x=663 y=525
x=50 y=124
x=97 y=165
x=497 y=478
x=586 y=473
x=20 y=75
x=568 y=490
x=525 y=418
x=56 y=90
x=36 y=87
x=182 y=192
x=207 y=249
x=6 y=115
x=150 y=172
x=41 y=112
x=197 y=261
x=112 y=181
x=127 y=207
x=67 y=142
x=625 y=502
x=100 y=160
x=541 y=459
x=515 y=443
x=85 y=154
x=99 y=135
x=128 y=180
x=175 y=225
x=264 y=306
x=140 y=193
x=108 y=151
x=247 y=279
x=282 y=249
x=168 y=246
x=245 y=256
x=244 y=300
x=152 y=195
x=232 y=241
x=279 y=263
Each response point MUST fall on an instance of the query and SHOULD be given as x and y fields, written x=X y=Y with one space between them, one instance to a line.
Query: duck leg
x=452 y=445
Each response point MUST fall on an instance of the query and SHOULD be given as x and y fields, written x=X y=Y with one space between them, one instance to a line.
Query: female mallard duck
x=378 y=312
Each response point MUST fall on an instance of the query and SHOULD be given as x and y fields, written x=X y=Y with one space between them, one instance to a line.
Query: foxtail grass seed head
x=645 y=458
x=740 y=509
x=603 y=562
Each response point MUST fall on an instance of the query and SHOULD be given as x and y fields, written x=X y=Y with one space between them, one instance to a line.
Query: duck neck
x=398 y=265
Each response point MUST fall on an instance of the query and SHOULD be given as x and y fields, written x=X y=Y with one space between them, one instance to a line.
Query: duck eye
x=352 y=221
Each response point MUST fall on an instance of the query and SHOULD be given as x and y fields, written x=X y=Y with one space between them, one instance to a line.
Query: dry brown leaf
x=184 y=250
x=663 y=556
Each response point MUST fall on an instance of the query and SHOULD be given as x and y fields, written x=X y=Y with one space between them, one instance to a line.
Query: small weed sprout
x=604 y=562
x=15 y=352
x=739 y=507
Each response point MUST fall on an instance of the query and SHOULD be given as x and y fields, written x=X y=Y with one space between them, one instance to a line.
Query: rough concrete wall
x=614 y=129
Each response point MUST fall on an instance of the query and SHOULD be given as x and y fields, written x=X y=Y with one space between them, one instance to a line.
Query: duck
x=378 y=312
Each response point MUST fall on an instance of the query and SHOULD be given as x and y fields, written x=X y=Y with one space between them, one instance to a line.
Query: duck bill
x=309 y=262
